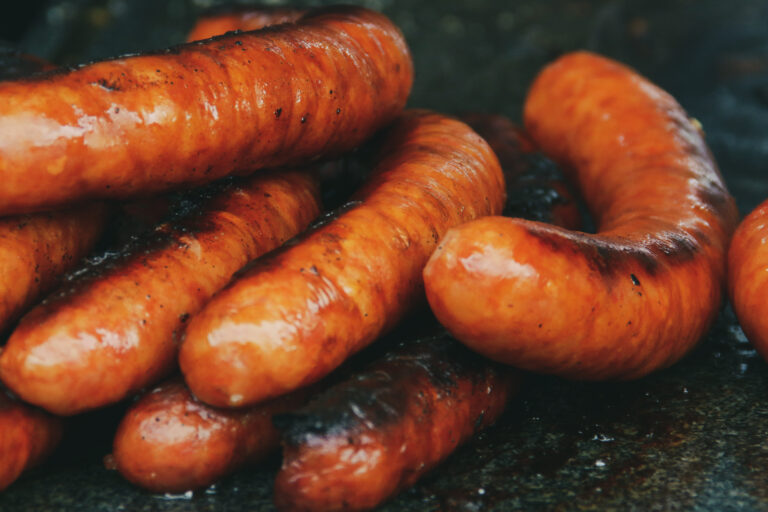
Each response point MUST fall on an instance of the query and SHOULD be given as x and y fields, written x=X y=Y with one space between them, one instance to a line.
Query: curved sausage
x=114 y=329
x=170 y=442
x=618 y=304
x=145 y=123
x=747 y=283
x=290 y=319
x=362 y=441
x=243 y=18
x=27 y=436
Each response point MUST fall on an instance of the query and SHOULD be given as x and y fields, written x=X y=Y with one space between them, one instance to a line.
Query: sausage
x=243 y=18
x=170 y=442
x=114 y=329
x=36 y=249
x=141 y=124
x=27 y=436
x=747 y=284
x=377 y=433
x=618 y=304
x=362 y=441
x=288 y=320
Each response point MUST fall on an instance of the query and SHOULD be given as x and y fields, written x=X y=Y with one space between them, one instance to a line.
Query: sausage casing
x=630 y=299
x=243 y=18
x=115 y=329
x=290 y=319
x=146 y=123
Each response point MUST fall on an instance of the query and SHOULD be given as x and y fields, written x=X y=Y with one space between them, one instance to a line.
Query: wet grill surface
x=692 y=437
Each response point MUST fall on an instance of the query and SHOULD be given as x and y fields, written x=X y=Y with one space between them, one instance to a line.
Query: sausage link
x=362 y=441
x=244 y=18
x=290 y=319
x=747 y=283
x=170 y=442
x=114 y=330
x=27 y=436
x=146 y=123
x=621 y=303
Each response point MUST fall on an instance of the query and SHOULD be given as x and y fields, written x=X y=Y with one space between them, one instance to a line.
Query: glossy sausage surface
x=200 y=111
x=243 y=18
x=171 y=442
x=362 y=441
x=115 y=328
x=618 y=304
x=27 y=436
x=747 y=276
x=290 y=319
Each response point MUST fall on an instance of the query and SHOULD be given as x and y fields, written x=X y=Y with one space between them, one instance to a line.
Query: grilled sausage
x=364 y=440
x=290 y=319
x=27 y=436
x=114 y=330
x=747 y=283
x=244 y=18
x=170 y=442
x=141 y=124
x=618 y=304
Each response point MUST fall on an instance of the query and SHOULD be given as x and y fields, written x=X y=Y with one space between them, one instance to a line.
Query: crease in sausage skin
x=151 y=122
x=363 y=440
x=114 y=327
x=747 y=284
x=289 y=319
x=634 y=297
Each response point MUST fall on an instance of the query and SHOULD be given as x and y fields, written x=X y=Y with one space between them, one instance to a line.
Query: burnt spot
x=635 y=280
x=278 y=112
x=106 y=85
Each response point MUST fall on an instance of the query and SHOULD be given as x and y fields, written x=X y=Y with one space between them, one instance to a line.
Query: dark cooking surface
x=690 y=437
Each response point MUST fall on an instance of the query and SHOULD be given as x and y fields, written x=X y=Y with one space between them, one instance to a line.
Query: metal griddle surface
x=692 y=437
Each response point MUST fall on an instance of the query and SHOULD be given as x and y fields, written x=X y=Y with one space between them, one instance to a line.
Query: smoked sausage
x=747 y=283
x=244 y=18
x=290 y=319
x=115 y=329
x=145 y=123
x=171 y=442
x=618 y=304
x=27 y=436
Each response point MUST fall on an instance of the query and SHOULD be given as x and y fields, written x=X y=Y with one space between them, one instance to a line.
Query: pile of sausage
x=258 y=299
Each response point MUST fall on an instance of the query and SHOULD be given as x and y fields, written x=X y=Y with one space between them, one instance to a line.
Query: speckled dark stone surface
x=692 y=437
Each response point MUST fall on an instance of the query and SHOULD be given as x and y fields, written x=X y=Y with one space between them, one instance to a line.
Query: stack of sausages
x=259 y=303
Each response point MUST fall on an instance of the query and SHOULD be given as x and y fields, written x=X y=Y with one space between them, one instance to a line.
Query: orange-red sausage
x=170 y=442
x=200 y=111
x=747 y=276
x=27 y=436
x=36 y=249
x=630 y=299
x=362 y=441
x=290 y=319
x=244 y=18
x=114 y=330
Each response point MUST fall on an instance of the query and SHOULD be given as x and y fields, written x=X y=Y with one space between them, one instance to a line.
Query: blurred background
x=688 y=438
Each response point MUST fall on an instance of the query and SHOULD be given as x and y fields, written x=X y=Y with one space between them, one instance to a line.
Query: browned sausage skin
x=141 y=124
x=640 y=293
x=115 y=329
x=747 y=271
x=290 y=319
x=170 y=442
x=27 y=436
x=362 y=441
x=243 y=18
